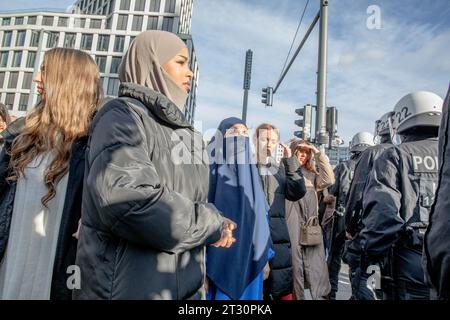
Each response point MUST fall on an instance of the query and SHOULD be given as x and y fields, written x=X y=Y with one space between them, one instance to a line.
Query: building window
x=137 y=23
x=4 y=58
x=152 y=23
x=115 y=63
x=69 y=40
x=17 y=59
x=101 y=63
x=9 y=101
x=122 y=22
x=52 y=40
x=23 y=101
x=170 y=6
x=13 y=77
x=34 y=38
x=132 y=39
x=86 y=42
x=27 y=79
x=139 y=5
x=20 y=38
x=103 y=42
x=63 y=21
x=32 y=20
x=103 y=83
x=155 y=5
x=47 y=21
x=119 y=43
x=2 y=79
x=167 y=24
x=108 y=23
x=18 y=21
x=96 y=23
x=6 y=21
x=80 y=22
x=31 y=59
x=125 y=5
x=111 y=7
x=113 y=87
x=7 y=36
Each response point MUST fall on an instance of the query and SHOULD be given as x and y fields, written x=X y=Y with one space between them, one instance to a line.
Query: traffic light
x=332 y=121
x=304 y=122
x=267 y=96
x=332 y=118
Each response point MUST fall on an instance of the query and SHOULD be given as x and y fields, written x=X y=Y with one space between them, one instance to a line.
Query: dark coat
x=145 y=220
x=396 y=204
x=437 y=237
x=282 y=183
x=67 y=244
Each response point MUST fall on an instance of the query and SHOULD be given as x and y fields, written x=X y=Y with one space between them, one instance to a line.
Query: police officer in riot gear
x=353 y=222
x=344 y=175
x=437 y=238
x=398 y=197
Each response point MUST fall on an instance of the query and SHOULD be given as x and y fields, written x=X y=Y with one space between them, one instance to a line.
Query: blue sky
x=369 y=70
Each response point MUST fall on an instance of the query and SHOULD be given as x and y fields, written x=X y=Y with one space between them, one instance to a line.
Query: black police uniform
x=396 y=205
x=352 y=253
x=344 y=175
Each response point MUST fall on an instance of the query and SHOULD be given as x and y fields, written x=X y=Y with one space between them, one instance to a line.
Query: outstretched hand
x=226 y=239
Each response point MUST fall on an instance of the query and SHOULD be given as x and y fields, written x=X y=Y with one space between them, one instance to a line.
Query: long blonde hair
x=71 y=95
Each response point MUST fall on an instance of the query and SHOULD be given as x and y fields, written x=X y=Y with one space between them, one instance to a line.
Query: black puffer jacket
x=145 y=219
x=437 y=238
x=67 y=244
x=279 y=184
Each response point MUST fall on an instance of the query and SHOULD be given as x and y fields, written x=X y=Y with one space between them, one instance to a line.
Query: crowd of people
x=125 y=193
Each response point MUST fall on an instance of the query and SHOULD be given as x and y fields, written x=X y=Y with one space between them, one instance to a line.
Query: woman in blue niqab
x=236 y=190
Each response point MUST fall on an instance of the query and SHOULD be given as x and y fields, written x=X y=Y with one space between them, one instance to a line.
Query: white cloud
x=369 y=70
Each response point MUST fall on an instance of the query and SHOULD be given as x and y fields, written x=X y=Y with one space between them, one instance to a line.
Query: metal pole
x=321 y=137
x=311 y=27
x=244 y=107
x=247 y=82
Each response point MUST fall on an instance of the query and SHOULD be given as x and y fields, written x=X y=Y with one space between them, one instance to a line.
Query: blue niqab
x=236 y=190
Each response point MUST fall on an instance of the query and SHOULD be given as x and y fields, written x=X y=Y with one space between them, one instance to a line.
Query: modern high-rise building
x=338 y=155
x=103 y=28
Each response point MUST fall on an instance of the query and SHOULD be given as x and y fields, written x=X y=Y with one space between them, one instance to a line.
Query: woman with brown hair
x=41 y=175
x=309 y=263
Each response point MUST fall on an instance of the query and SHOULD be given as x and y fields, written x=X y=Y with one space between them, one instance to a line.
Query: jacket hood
x=157 y=103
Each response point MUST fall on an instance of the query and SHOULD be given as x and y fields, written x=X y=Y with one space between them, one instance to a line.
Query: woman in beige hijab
x=146 y=222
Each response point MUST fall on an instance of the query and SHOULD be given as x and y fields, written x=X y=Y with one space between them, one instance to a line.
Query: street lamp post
x=321 y=133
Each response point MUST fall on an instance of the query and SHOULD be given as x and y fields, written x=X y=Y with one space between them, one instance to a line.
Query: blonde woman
x=41 y=176
x=309 y=264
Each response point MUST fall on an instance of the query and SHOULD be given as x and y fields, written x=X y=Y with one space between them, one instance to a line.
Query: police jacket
x=356 y=192
x=343 y=173
x=396 y=204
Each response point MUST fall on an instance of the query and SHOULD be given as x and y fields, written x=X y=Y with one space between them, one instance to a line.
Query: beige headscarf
x=142 y=64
